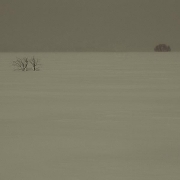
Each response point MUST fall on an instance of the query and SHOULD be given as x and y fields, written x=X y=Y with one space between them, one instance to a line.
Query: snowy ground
x=91 y=116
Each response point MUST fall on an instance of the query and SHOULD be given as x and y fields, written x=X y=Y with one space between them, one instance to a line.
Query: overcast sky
x=88 y=25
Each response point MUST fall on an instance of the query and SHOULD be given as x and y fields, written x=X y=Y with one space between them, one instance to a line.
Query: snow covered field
x=91 y=116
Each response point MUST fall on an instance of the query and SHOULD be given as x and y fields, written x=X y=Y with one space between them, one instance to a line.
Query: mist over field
x=91 y=116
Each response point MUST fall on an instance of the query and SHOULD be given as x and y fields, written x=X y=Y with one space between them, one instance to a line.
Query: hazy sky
x=88 y=25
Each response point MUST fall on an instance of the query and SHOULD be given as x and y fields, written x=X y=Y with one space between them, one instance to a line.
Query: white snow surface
x=91 y=116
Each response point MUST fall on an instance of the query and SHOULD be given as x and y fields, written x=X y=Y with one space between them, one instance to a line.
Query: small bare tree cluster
x=22 y=63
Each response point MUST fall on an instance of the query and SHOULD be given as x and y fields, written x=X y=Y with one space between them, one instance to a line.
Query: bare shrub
x=21 y=63
x=35 y=63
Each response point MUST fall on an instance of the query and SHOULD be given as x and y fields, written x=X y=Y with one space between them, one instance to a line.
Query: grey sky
x=88 y=25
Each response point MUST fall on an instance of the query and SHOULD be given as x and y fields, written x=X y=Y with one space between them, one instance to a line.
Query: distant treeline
x=162 y=48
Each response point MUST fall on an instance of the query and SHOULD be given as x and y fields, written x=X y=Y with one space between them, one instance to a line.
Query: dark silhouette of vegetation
x=34 y=62
x=22 y=63
x=162 y=48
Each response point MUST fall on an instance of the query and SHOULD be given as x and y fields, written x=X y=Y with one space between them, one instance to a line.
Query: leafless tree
x=21 y=63
x=34 y=62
